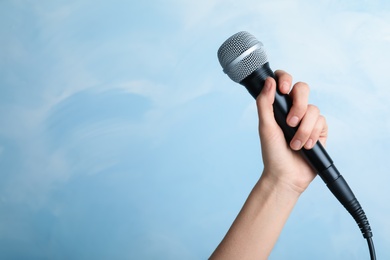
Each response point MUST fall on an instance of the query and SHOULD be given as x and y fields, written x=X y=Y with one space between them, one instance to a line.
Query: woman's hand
x=281 y=161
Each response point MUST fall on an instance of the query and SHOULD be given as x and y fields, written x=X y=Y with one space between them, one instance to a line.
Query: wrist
x=281 y=185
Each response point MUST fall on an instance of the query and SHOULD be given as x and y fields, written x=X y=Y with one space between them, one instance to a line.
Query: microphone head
x=241 y=55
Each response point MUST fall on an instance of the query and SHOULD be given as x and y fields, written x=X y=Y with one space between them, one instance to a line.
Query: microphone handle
x=317 y=157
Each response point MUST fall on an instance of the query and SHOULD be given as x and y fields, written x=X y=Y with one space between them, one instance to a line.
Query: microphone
x=244 y=60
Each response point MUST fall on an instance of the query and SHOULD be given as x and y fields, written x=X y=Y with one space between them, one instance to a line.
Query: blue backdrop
x=121 y=138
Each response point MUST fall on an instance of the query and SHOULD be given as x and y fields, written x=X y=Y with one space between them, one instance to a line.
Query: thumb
x=264 y=104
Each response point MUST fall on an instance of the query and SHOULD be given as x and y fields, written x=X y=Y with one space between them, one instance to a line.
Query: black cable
x=344 y=194
x=372 y=248
x=358 y=214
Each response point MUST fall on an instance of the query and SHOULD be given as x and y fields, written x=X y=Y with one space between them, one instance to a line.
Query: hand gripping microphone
x=244 y=60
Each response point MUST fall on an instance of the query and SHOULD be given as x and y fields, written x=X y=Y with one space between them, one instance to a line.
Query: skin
x=286 y=175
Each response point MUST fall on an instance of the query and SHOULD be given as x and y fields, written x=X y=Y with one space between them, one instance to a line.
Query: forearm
x=258 y=225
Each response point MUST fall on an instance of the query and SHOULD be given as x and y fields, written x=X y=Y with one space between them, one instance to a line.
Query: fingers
x=284 y=81
x=300 y=98
x=299 y=95
x=311 y=127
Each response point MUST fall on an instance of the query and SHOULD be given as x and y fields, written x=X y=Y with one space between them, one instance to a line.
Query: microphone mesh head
x=236 y=65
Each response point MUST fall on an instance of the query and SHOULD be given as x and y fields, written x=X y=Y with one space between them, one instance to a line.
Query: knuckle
x=323 y=119
x=300 y=109
x=324 y=125
x=282 y=73
x=313 y=109
x=318 y=128
x=304 y=132
x=303 y=85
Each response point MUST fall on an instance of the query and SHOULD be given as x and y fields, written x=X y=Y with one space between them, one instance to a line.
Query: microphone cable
x=371 y=248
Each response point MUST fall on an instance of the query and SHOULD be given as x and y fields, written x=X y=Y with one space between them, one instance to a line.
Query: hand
x=281 y=161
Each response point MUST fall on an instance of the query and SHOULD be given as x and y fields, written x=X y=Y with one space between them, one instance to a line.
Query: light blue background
x=121 y=138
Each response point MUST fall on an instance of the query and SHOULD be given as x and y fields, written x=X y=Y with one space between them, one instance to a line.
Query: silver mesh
x=240 y=55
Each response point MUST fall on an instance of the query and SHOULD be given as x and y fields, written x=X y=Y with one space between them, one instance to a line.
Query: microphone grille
x=240 y=55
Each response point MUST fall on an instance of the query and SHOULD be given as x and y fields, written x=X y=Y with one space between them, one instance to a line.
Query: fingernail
x=285 y=86
x=309 y=144
x=294 y=121
x=296 y=145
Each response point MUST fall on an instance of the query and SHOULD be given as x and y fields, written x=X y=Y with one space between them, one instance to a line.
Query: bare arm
x=285 y=176
x=258 y=225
